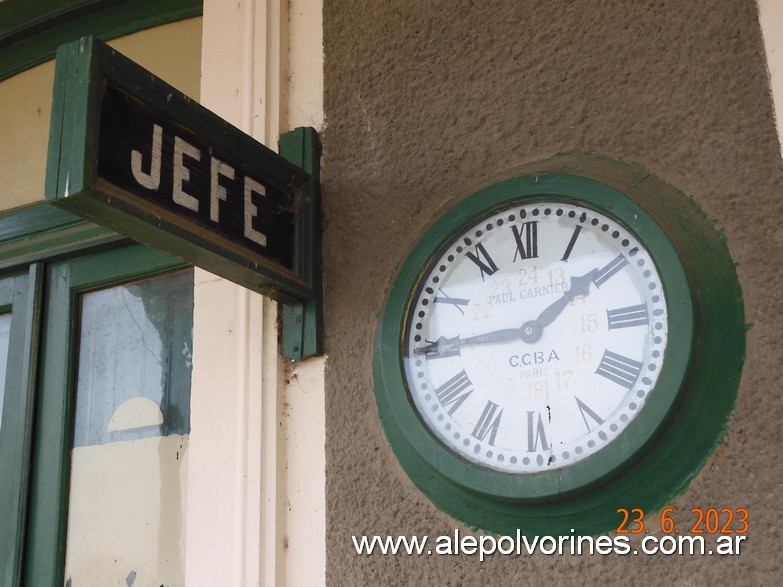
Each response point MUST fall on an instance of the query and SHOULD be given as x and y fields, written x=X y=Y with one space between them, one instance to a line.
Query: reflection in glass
x=128 y=470
x=5 y=332
x=134 y=361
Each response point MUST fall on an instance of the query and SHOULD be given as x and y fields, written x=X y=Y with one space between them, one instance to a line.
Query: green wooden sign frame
x=88 y=75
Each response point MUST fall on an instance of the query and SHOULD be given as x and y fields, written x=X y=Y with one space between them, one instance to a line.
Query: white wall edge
x=771 y=21
x=256 y=502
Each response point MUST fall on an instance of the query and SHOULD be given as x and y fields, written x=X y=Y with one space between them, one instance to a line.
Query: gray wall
x=427 y=100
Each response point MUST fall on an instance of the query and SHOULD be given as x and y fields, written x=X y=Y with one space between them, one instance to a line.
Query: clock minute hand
x=580 y=286
x=450 y=346
x=502 y=335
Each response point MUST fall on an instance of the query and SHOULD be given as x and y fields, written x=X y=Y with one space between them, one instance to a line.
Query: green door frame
x=45 y=249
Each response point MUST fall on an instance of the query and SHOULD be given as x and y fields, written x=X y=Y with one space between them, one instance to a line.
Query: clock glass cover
x=534 y=336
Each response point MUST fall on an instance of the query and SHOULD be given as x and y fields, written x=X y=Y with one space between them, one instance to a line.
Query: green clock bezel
x=546 y=484
x=547 y=501
x=562 y=480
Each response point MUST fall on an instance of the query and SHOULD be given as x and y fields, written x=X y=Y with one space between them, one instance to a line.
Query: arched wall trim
x=31 y=32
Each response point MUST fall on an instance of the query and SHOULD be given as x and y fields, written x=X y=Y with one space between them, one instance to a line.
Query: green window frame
x=20 y=294
x=47 y=259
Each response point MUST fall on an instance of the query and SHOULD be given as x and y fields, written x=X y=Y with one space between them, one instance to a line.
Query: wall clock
x=542 y=351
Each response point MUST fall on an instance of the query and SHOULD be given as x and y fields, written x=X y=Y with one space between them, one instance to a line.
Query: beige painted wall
x=170 y=51
x=128 y=515
x=25 y=109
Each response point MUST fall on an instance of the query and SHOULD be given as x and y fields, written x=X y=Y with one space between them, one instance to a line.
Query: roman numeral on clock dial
x=610 y=269
x=454 y=392
x=536 y=433
x=488 y=423
x=620 y=369
x=455 y=302
x=571 y=243
x=587 y=412
x=482 y=260
x=526 y=239
x=628 y=317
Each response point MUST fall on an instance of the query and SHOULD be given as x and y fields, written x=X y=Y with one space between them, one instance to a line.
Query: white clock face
x=535 y=336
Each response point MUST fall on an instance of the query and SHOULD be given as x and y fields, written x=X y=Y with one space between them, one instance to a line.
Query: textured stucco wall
x=426 y=100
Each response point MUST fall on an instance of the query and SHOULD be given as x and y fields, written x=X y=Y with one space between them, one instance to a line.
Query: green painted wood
x=30 y=32
x=48 y=501
x=45 y=538
x=73 y=138
x=20 y=18
x=302 y=324
x=40 y=231
x=20 y=223
x=11 y=511
x=699 y=381
x=72 y=181
x=105 y=268
x=21 y=295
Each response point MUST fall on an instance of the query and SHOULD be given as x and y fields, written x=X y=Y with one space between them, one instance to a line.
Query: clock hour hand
x=580 y=286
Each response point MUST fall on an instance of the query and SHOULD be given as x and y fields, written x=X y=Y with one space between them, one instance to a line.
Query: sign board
x=129 y=152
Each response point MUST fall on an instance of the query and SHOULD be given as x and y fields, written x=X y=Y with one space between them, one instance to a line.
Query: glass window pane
x=5 y=333
x=128 y=472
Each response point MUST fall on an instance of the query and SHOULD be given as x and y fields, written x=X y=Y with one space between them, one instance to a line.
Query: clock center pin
x=531 y=331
